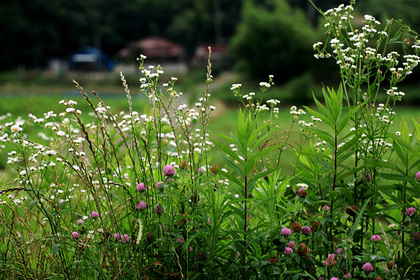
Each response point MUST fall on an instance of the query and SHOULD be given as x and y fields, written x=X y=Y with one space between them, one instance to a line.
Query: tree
x=273 y=39
x=32 y=31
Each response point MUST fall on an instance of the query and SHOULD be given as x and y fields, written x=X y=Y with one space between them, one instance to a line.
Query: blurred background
x=45 y=44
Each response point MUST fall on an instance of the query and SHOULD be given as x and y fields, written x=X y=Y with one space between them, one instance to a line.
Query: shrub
x=273 y=42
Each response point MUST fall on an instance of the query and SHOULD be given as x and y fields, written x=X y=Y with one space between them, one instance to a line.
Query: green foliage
x=273 y=41
x=385 y=11
x=134 y=196
x=35 y=31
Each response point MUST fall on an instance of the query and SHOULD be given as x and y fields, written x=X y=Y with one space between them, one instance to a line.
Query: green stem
x=334 y=181
x=245 y=225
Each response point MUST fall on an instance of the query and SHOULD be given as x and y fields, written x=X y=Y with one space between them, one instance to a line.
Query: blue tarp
x=90 y=58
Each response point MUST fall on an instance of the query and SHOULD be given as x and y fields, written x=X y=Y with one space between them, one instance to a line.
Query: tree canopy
x=33 y=31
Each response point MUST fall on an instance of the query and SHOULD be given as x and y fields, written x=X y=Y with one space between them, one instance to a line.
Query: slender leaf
x=359 y=217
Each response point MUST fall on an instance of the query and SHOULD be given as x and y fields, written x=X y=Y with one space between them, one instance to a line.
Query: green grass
x=223 y=118
x=47 y=91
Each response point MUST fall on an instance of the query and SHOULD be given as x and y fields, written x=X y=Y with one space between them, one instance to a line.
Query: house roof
x=202 y=51
x=153 y=47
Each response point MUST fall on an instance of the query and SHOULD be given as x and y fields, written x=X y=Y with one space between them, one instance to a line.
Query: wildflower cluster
x=126 y=166
x=249 y=100
x=134 y=194
x=361 y=53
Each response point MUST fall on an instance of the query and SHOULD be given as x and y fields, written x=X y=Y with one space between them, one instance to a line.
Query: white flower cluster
x=305 y=124
x=295 y=111
x=265 y=85
x=150 y=74
x=248 y=96
x=35 y=119
x=411 y=61
x=302 y=185
x=315 y=119
x=187 y=117
x=235 y=87
x=260 y=108
x=101 y=110
x=349 y=52
x=149 y=83
x=273 y=102
x=317 y=45
x=394 y=92
x=320 y=146
x=128 y=120
x=384 y=114
x=339 y=16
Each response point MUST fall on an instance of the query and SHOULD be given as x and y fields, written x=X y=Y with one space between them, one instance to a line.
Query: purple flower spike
x=286 y=231
x=75 y=234
x=169 y=170
x=302 y=193
x=418 y=176
x=367 y=267
x=94 y=215
x=330 y=261
x=292 y=244
x=410 y=211
x=306 y=230
x=375 y=238
x=265 y=176
x=288 y=251
x=347 y=276
x=141 y=187
x=125 y=238
x=141 y=205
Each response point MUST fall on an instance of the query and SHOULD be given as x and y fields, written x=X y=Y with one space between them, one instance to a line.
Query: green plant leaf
x=404 y=145
x=359 y=217
x=321 y=115
x=262 y=174
x=344 y=121
x=55 y=248
x=227 y=150
x=33 y=203
x=324 y=135
x=232 y=165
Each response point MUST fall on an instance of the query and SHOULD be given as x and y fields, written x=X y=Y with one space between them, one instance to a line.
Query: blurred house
x=170 y=55
x=218 y=52
x=90 y=59
x=155 y=48
x=219 y=57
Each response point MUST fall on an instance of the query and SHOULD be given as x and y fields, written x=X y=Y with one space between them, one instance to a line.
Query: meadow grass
x=328 y=191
